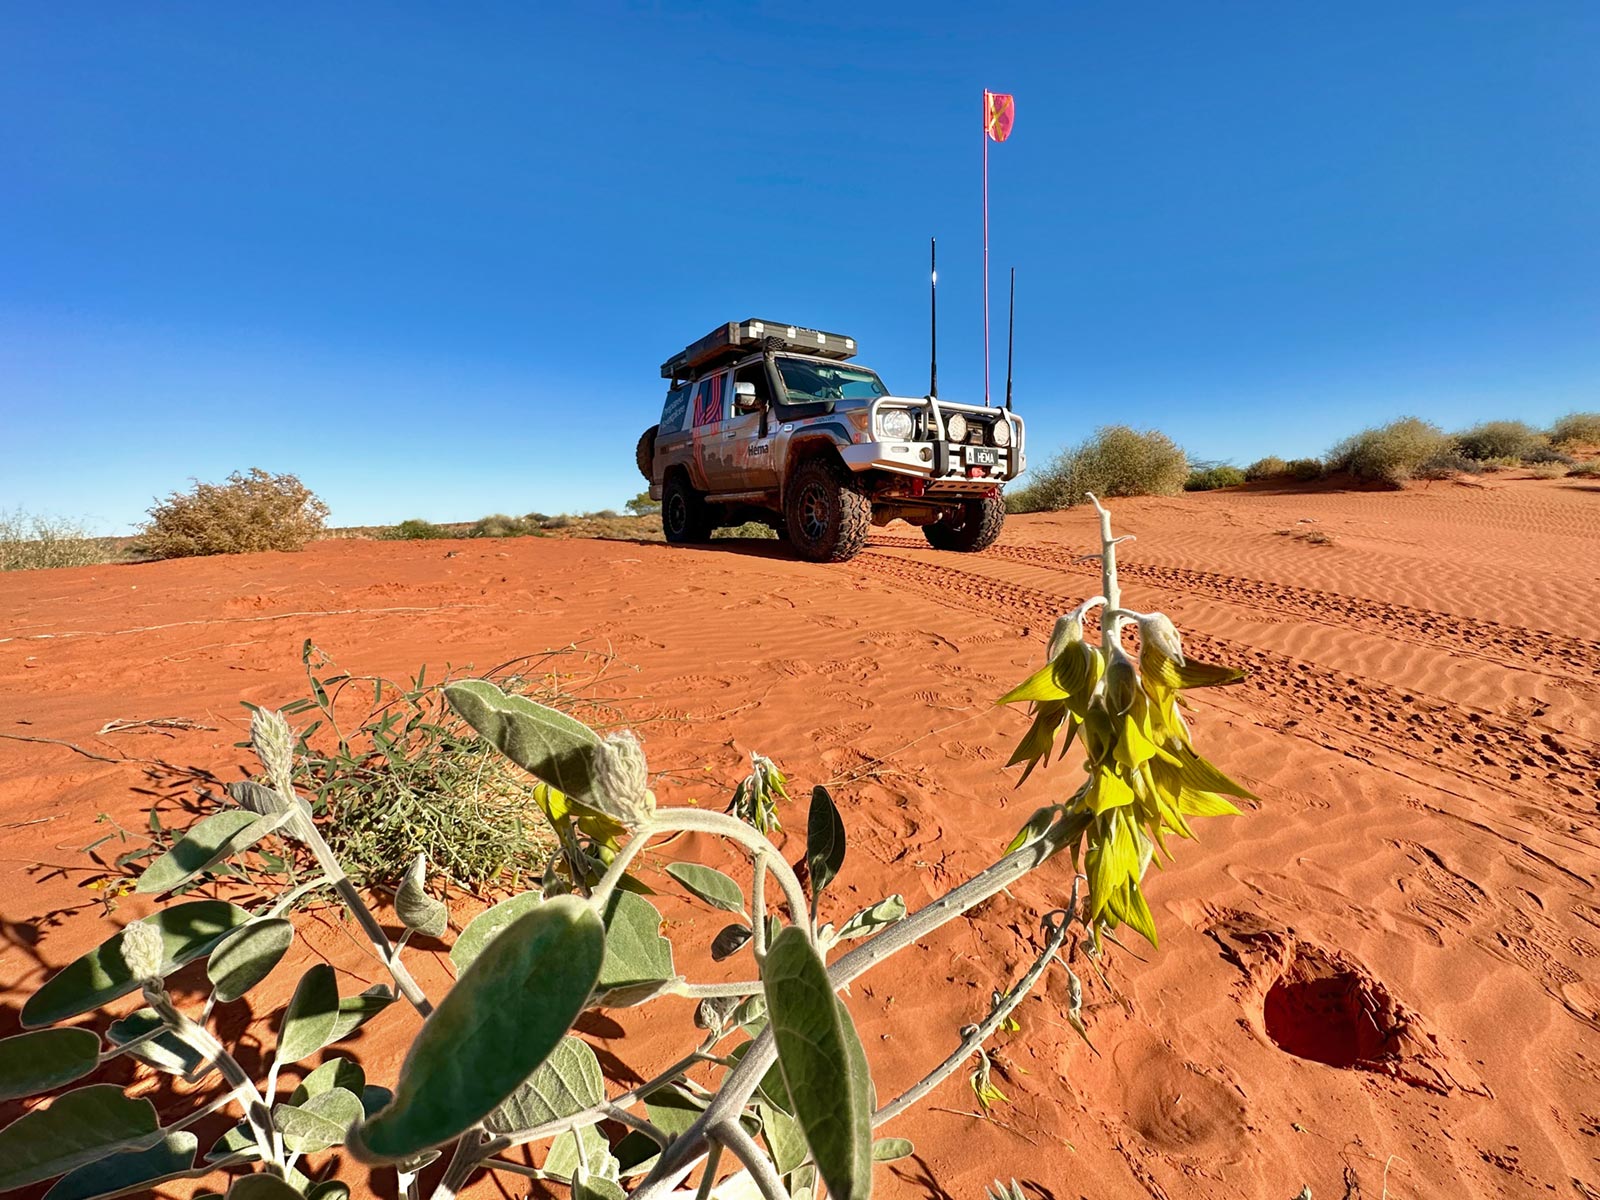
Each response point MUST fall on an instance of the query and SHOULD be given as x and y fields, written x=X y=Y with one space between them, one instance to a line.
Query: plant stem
x=708 y=1177
x=758 y=1164
x=980 y=1033
x=1111 y=619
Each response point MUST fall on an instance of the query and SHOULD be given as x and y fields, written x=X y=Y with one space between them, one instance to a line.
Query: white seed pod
x=621 y=779
x=273 y=742
x=143 y=950
x=1157 y=631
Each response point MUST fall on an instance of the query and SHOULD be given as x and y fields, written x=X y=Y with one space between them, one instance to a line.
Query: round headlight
x=896 y=424
x=1000 y=433
x=956 y=427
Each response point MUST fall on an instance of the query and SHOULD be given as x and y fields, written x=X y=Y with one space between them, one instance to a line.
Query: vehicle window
x=755 y=373
x=709 y=401
x=810 y=382
x=674 y=410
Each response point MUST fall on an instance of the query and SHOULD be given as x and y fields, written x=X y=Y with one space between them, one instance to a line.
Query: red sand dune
x=1388 y=974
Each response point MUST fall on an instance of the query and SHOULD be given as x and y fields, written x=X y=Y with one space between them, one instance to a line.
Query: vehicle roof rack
x=739 y=338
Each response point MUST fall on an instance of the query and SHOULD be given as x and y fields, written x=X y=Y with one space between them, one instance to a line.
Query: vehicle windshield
x=810 y=382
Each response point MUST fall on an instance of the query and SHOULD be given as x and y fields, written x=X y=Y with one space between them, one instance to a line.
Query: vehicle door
x=675 y=433
x=742 y=460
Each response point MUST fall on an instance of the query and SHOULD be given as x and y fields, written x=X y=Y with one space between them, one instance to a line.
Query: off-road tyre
x=976 y=528
x=645 y=453
x=685 y=517
x=825 y=512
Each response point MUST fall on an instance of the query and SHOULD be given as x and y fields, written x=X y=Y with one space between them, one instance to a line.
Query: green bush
x=642 y=506
x=1499 y=439
x=417 y=530
x=250 y=512
x=501 y=526
x=1547 y=454
x=1577 y=429
x=1391 y=453
x=1212 y=478
x=29 y=541
x=1117 y=461
x=1306 y=470
x=1271 y=467
x=1450 y=464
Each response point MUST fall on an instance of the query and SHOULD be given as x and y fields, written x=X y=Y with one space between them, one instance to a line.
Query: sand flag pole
x=999 y=113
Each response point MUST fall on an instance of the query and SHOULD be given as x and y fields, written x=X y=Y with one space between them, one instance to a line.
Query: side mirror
x=744 y=398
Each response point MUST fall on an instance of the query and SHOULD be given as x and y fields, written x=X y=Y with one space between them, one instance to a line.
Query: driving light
x=956 y=427
x=1000 y=433
x=896 y=424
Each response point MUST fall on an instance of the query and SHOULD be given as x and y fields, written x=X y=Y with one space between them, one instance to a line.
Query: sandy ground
x=1416 y=891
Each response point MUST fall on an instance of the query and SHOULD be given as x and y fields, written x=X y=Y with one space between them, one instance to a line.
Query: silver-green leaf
x=547 y=744
x=320 y=1122
x=247 y=956
x=312 y=1015
x=188 y=931
x=208 y=842
x=503 y=1018
x=709 y=885
x=567 y=1082
x=337 y=1072
x=166 y=1051
x=891 y=1149
x=824 y=842
x=636 y=953
x=129 y=1170
x=822 y=1062
x=418 y=911
x=77 y=1128
x=869 y=920
x=36 y=1062
x=486 y=925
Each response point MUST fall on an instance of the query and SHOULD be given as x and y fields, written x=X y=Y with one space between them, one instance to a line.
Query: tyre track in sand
x=1338 y=710
x=1505 y=645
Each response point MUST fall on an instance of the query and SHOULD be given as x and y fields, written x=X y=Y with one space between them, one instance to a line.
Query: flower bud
x=1158 y=635
x=621 y=779
x=143 y=950
x=273 y=742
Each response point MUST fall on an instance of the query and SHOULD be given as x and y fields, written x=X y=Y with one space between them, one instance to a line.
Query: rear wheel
x=684 y=516
x=974 y=527
x=644 y=454
x=825 y=513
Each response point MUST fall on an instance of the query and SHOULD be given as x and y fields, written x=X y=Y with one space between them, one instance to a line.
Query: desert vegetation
x=1115 y=462
x=1209 y=479
x=252 y=511
x=31 y=541
x=774 y=1084
x=1577 y=429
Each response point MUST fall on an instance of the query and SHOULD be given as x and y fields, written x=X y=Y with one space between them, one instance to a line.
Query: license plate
x=982 y=456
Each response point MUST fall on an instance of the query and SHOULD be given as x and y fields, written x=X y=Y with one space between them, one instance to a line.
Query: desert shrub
x=500 y=526
x=1585 y=470
x=642 y=506
x=1117 y=461
x=416 y=530
x=536 y=518
x=250 y=512
x=1391 y=453
x=1448 y=465
x=496 y=1066
x=750 y=529
x=1270 y=467
x=1499 y=439
x=1306 y=470
x=1577 y=429
x=1547 y=470
x=29 y=541
x=1212 y=478
x=604 y=514
x=561 y=522
x=1547 y=454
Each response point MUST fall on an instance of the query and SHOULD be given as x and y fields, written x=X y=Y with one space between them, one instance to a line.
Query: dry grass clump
x=1209 y=479
x=750 y=529
x=1117 y=461
x=1577 y=429
x=501 y=526
x=250 y=512
x=417 y=530
x=1585 y=470
x=1391 y=453
x=29 y=541
x=1500 y=439
x=1548 y=470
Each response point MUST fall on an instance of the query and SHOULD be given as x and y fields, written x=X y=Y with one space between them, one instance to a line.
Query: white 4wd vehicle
x=771 y=422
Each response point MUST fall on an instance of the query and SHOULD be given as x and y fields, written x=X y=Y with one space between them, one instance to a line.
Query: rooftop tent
x=736 y=339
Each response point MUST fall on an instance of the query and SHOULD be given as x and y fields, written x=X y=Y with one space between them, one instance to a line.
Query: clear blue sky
x=429 y=257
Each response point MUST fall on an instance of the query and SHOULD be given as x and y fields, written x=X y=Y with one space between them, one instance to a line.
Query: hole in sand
x=1326 y=1012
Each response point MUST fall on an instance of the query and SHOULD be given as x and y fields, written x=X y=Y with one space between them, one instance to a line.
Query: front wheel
x=684 y=517
x=975 y=526
x=825 y=513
